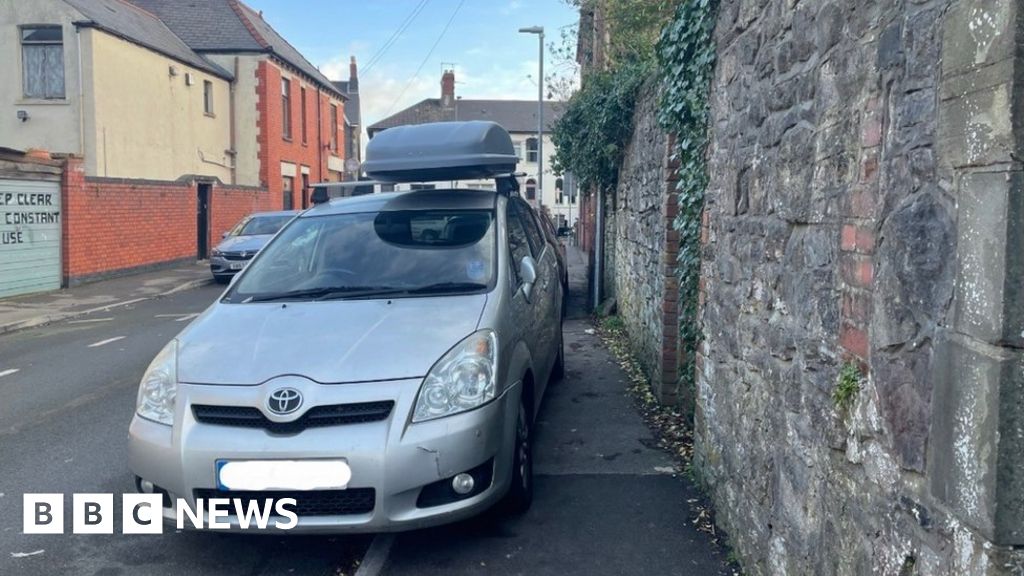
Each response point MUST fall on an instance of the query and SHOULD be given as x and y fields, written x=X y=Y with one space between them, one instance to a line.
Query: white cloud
x=336 y=68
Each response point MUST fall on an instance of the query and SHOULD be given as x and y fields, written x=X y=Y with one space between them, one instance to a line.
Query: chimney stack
x=353 y=75
x=448 y=88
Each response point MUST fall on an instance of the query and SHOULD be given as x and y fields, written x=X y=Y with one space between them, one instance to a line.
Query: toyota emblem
x=284 y=401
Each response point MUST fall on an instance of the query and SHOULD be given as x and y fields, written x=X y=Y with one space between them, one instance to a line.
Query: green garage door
x=29 y=237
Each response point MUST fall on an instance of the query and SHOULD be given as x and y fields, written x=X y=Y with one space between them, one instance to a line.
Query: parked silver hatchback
x=380 y=361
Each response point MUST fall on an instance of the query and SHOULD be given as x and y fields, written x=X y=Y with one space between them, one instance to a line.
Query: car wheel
x=558 y=372
x=221 y=279
x=520 y=494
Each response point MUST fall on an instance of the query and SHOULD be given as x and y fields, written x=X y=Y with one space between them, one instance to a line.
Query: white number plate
x=283 y=474
x=237 y=265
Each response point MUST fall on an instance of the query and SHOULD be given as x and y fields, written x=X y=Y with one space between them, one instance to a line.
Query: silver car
x=241 y=243
x=384 y=379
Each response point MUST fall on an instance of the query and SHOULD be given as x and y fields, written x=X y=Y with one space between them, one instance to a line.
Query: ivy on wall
x=686 y=61
x=591 y=136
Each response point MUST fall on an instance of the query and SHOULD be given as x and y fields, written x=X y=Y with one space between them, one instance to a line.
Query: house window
x=519 y=149
x=334 y=128
x=531 y=150
x=208 y=97
x=302 y=116
x=42 y=61
x=288 y=193
x=531 y=189
x=286 y=108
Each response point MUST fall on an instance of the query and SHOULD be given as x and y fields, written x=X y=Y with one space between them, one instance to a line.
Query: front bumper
x=393 y=456
x=221 y=266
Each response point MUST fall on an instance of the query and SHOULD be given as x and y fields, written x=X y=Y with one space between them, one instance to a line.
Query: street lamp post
x=539 y=31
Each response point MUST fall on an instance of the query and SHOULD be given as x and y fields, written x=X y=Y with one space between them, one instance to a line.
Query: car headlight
x=159 y=386
x=463 y=379
x=216 y=252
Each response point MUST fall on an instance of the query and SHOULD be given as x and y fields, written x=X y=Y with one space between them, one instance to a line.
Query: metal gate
x=30 y=235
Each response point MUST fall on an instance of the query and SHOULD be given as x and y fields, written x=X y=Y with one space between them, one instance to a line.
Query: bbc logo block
x=92 y=514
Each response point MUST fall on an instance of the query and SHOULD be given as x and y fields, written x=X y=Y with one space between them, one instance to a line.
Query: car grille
x=238 y=255
x=308 y=503
x=316 y=417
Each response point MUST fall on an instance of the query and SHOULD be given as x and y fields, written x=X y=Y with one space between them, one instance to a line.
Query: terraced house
x=169 y=121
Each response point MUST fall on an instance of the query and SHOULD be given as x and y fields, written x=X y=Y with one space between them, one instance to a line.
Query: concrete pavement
x=22 y=312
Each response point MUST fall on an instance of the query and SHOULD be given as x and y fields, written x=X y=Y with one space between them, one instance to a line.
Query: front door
x=203 y=221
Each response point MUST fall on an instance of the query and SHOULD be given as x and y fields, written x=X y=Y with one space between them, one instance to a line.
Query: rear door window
x=533 y=234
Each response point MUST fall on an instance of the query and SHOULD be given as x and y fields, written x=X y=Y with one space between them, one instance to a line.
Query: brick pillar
x=668 y=390
x=857 y=242
x=72 y=185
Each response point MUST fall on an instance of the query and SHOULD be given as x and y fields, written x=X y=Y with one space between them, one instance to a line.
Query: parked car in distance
x=414 y=362
x=242 y=242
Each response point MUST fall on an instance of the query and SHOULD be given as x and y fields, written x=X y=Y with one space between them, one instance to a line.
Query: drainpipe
x=81 y=96
x=231 y=122
x=598 y=247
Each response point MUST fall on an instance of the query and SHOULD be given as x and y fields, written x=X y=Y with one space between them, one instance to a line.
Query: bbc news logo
x=143 y=514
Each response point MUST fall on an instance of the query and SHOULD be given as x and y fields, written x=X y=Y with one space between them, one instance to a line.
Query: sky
x=490 y=57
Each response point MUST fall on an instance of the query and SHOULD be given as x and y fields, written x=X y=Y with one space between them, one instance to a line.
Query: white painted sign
x=30 y=235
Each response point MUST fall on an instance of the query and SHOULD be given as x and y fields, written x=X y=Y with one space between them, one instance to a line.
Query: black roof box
x=440 y=151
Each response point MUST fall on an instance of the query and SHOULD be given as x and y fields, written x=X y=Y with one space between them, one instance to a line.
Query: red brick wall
x=229 y=204
x=274 y=148
x=113 y=226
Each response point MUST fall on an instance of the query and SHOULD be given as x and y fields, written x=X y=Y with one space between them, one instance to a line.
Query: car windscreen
x=261 y=225
x=374 y=254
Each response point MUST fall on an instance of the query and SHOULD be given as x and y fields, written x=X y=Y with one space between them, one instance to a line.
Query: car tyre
x=520 y=493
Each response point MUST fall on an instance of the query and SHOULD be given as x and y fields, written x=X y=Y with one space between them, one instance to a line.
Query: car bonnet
x=330 y=342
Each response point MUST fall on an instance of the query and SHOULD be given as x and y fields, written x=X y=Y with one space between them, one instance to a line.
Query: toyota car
x=379 y=363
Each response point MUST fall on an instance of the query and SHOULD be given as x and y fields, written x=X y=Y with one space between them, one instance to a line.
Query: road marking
x=107 y=341
x=169 y=315
x=8 y=372
x=376 y=556
x=187 y=317
x=91 y=320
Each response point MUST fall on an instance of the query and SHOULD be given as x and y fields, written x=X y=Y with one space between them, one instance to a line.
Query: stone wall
x=641 y=247
x=644 y=248
x=865 y=209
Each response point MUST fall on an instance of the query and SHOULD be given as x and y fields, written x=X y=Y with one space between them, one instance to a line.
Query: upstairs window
x=42 y=61
x=334 y=129
x=302 y=116
x=286 y=108
x=208 y=97
x=531 y=189
x=531 y=150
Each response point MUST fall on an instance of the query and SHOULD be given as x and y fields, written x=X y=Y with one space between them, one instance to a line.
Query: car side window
x=533 y=234
x=518 y=241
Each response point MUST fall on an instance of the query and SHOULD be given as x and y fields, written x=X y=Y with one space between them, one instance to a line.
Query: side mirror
x=528 y=274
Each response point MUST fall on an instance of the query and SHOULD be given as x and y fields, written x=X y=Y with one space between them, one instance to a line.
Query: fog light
x=462 y=483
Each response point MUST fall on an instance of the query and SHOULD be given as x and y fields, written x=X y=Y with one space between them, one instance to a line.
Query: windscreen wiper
x=448 y=287
x=322 y=293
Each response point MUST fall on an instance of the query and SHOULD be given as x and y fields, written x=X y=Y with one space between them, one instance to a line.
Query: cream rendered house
x=108 y=81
